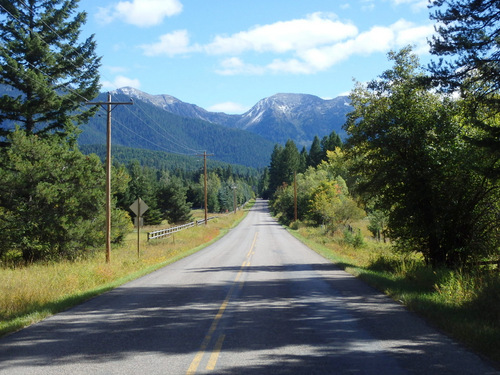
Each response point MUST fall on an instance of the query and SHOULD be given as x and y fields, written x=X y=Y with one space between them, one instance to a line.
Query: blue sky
x=226 y=55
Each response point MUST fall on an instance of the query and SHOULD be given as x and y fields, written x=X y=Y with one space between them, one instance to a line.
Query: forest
x=421 y=164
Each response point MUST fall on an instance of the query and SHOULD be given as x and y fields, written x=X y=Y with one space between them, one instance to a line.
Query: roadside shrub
x=353 y=238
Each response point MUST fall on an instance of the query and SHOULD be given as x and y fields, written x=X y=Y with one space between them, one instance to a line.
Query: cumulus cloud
x=142 y=13
x=174 y=43
x=316 y=29
x=301 y=46
x=120 y=81
x=417 y=35
x=309 y=60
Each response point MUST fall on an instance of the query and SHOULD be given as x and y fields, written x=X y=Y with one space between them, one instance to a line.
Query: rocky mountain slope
x=277 y=118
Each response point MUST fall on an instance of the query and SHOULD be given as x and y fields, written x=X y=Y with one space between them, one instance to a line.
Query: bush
x=356 y=240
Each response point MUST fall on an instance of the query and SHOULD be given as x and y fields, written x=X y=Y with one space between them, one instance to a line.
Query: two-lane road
x=256 y=302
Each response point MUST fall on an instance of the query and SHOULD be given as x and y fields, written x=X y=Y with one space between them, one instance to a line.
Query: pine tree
x=52 y=200
x=315 y=153
x=330 y=143
x=45 y=67
x=467 y=37
x=172 y=201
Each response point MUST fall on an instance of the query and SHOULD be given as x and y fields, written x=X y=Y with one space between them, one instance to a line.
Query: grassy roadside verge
x=464 y=305
x=30 y=294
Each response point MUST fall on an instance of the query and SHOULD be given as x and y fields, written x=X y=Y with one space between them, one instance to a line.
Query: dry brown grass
x=29 y=294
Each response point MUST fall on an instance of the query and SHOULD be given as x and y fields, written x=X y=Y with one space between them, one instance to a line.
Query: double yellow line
x=208 y=337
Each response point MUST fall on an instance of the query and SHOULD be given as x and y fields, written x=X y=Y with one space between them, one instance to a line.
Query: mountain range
x=277 y=118
x=164 y=123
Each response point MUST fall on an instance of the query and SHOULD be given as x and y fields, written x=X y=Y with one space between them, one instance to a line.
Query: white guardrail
x=168 y=231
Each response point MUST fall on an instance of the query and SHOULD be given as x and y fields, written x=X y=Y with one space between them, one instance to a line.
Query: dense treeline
x=420 y=163
x=179 y=165
x=52 y=197
x=171 y=197
x=310 y=186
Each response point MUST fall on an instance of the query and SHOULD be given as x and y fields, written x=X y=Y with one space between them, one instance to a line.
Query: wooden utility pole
x=234 y=197
x=206 y=183
x=109 y=107
x=295 y=196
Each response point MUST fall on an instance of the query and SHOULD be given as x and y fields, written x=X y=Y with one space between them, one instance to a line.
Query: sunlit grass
x=29 y=294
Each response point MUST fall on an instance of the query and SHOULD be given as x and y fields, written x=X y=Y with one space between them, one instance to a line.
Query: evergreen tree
x=275 y=169
x=172 y=201
x=263 y=185
x=468 y=38
x=284 y=162
x=315 y=153
x=47 y=68
x=303 y=160
x=291 y=161
x=52 y=200
x=330 y=143
x=143 y=184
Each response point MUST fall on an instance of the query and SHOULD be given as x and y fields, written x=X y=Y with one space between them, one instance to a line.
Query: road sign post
x=139 y=207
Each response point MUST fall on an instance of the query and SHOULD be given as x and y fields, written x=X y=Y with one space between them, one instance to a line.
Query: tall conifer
x=45 y=67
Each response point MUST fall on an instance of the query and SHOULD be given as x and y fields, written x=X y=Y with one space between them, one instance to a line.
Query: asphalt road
x=256 y=302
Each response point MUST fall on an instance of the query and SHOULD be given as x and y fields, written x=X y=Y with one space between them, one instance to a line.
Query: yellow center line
x=215 y=354
x=206 y=341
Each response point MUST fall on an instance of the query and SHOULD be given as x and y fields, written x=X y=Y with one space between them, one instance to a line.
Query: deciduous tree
x=409 y=156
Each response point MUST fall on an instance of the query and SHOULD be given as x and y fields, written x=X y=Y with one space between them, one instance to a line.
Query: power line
x=172 y=139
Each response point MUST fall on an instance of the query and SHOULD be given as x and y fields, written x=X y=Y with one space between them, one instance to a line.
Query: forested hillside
x=164 y=161
x=146 y=126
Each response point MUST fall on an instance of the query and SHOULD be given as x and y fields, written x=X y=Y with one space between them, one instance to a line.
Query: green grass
x=32 y=293
x=465 y=305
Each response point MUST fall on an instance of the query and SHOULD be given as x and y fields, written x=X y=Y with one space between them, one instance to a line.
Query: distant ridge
x=277 y=118
x=146 y=126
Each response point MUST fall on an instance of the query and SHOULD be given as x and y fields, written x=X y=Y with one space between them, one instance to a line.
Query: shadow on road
x=335 y=327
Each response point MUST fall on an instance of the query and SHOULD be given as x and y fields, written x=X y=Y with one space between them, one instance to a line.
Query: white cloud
x=120 y=81
x=229 y=107
x=313 y=44
x=174 y=43
x=417 y=35
x=280 y=37
x=301 y=46
x=234 y=66
x=142 y=13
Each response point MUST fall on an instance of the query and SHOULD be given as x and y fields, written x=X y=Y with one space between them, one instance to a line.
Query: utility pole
x=295 y=196
x=234 y=187
x=206 y=181
x=109 y=107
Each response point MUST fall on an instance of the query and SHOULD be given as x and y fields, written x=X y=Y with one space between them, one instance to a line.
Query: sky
x=226 y=55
